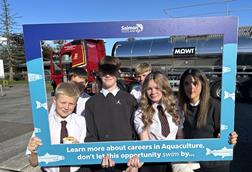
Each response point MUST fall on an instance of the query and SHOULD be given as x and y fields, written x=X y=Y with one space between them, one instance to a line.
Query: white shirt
x=76 y=126
x=81 y=103
x=137 y=92
x=155 y=131
x=105 y=92
x=52 y=109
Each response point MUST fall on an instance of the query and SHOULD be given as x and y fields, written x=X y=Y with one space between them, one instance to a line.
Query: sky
x=63 y=11
x=71 y=11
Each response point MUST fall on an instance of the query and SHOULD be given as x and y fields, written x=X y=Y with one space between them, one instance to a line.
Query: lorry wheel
x=216 y=90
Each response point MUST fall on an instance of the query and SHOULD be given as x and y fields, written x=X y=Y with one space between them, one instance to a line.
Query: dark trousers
x=156 y=167
x=216 y=169
x=116 y=168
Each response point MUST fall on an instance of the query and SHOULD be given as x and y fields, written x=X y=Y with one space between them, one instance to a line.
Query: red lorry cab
x=78 y=53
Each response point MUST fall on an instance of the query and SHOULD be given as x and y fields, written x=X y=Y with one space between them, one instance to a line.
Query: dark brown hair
x=109 y=65
x=184 y=101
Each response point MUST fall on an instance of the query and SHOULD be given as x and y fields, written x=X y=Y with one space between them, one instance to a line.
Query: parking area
x=16 y=127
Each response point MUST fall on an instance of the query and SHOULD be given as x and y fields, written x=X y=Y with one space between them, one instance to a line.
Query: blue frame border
x=149 y=151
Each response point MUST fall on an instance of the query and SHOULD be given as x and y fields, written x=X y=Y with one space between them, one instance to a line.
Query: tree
x=46 y=51
x=7 y=23
x=17 y=47
x=59 y=43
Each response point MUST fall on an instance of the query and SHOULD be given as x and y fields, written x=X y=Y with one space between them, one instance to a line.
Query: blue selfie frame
x=121 y=151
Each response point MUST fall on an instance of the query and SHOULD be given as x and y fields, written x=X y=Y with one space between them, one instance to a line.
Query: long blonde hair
x=168 y=100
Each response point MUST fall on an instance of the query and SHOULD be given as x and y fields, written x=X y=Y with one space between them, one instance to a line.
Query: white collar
x=155 y=105
x=59 y=119
x=195 y=104
x=105 y=91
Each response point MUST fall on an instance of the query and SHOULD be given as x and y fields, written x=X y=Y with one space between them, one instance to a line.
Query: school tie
x=63 y=134
x=163 y=120
x=110 y=97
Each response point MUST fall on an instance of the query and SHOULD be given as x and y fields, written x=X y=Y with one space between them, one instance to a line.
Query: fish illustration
x=37 y=130
x=41 y=105
x=226 y=69
x=47 y=158
x=221 y=152
x=140 y=27
x=229 y=95
x=224 y=127
x=34 y=77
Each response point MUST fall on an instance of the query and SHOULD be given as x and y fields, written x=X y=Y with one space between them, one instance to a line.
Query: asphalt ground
x=16 y=128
